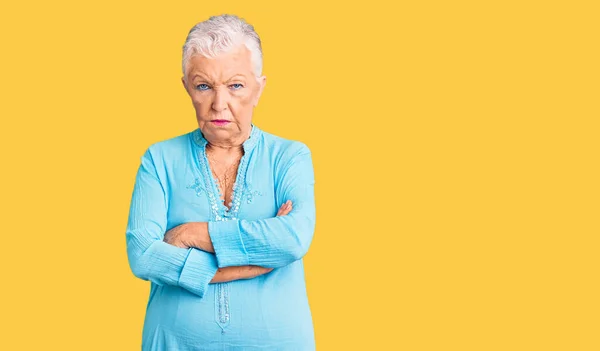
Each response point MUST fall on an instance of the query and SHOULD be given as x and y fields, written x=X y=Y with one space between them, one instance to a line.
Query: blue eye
x=236 y=86
x=202 y=87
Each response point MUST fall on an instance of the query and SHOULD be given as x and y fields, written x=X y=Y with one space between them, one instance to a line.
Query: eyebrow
x=198 y=75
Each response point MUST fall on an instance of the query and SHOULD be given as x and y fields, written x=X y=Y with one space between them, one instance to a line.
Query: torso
x=237 y=312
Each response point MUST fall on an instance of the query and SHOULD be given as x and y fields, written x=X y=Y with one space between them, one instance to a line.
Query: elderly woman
x=222 y=216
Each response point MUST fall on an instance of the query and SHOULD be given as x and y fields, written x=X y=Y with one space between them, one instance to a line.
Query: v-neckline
x=215 y=188
x=220 y=211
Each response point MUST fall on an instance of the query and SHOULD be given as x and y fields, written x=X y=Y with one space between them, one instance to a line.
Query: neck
x=225 y=150
x=231 y=145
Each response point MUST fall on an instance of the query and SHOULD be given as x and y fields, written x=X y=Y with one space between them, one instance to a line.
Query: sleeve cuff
x=227 y=243
x=199 y=269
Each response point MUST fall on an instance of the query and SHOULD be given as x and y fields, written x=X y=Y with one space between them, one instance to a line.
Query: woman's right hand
x=228 y=274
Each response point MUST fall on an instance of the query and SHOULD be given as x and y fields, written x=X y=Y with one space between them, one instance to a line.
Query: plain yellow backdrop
x=455 y=147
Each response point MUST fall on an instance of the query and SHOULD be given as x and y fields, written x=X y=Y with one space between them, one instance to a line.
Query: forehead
x=225 y=65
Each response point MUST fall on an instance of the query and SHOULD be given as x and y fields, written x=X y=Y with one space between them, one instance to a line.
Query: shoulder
x=284 y=151
x=168 y=149
x=284 y=147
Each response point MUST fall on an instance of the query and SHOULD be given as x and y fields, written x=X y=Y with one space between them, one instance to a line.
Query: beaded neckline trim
x=241 y=189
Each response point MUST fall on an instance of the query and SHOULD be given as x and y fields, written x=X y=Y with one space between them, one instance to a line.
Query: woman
x=221 y=217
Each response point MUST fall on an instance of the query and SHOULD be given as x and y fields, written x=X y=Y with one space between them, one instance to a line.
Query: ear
x=262 y=81
x=184 y=85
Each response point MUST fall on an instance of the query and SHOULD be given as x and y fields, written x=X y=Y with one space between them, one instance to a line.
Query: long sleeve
x=150 y=258
x=278 y=241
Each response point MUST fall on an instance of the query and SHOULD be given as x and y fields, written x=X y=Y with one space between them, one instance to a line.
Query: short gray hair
x=219 y=34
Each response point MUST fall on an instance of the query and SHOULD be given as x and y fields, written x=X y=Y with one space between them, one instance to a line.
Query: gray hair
x=219 y=34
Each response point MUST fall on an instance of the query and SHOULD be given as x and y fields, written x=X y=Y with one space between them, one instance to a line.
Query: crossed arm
x=218 y=251
x=195 y=235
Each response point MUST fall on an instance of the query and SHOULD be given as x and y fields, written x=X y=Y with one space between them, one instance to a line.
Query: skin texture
x=223 y=88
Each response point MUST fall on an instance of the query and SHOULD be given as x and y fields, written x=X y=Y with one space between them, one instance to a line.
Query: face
x=224 y=92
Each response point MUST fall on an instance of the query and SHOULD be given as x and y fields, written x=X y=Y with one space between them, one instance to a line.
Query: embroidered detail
x=238 y=189
x=196 y=186
x=222 y=304
x=250 y=194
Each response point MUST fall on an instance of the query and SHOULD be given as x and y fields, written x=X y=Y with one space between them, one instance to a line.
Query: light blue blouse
x=174 y=185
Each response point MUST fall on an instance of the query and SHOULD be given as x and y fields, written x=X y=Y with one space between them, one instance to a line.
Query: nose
x=221 y=99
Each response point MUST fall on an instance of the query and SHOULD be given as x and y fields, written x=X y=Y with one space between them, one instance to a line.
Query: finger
x=280 y=212
x=282 y=209
x=288 y=207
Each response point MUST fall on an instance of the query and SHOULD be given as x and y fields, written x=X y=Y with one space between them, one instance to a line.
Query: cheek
x=245 y=100
x=202 y=110
x=200 y=102
x=240 y=105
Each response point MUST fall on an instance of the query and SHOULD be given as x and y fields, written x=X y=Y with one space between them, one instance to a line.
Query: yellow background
x=455 y=147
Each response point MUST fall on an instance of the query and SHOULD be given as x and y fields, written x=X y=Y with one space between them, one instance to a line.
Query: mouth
x=220 y=122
